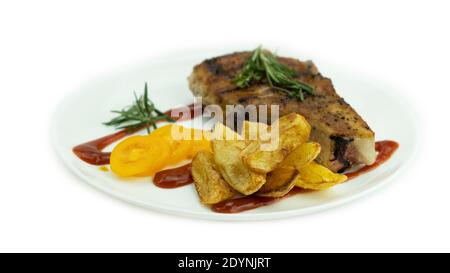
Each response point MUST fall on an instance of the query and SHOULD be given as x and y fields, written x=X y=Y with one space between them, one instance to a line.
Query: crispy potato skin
x=228 y=147
x=302 y=155
x=316 y=177
x=279 y=182
x=329 y=114
x=293 y=130
x=227 y=156
x=209 y=183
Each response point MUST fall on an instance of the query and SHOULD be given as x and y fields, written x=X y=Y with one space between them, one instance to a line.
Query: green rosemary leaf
x=263 y=64
x=142 y=113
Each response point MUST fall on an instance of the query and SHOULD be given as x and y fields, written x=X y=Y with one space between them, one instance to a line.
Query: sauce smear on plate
x=91 y=152
x=174 y=178
x=250 y=202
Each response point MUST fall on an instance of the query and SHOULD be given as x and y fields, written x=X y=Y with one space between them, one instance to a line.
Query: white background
x=48 y=48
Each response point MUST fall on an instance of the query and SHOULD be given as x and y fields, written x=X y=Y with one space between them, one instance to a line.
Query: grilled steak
x=345 y=137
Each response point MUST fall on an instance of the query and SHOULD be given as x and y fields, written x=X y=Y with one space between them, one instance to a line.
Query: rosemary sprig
x=264 y=65
x=142 y=113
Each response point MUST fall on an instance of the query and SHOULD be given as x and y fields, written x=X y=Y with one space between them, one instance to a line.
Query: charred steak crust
x=329 y=114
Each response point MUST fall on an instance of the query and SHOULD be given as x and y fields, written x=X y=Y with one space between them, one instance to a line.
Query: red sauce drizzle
x=91 y=151
x=174 y=178
x=250 y=202
x=385 y=149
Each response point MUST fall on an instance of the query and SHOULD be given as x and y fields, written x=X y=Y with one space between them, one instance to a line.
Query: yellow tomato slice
x=177 y=136
x=181 y=151
x=162 y=131
x=139 y=154
x=179 y=148
x=184 y=143
x=200 y=145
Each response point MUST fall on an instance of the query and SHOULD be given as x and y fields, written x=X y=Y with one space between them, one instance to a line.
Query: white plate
x=79 y=118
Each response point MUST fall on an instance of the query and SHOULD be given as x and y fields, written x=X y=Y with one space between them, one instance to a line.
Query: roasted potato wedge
x=252 y=131
x=264 y=161
x=302 y=155
x=222 y=132
x=317 y=177
x=228 y=159
x=279 y=182
x=227 y=156
x=293 y=130
x=209 y=183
